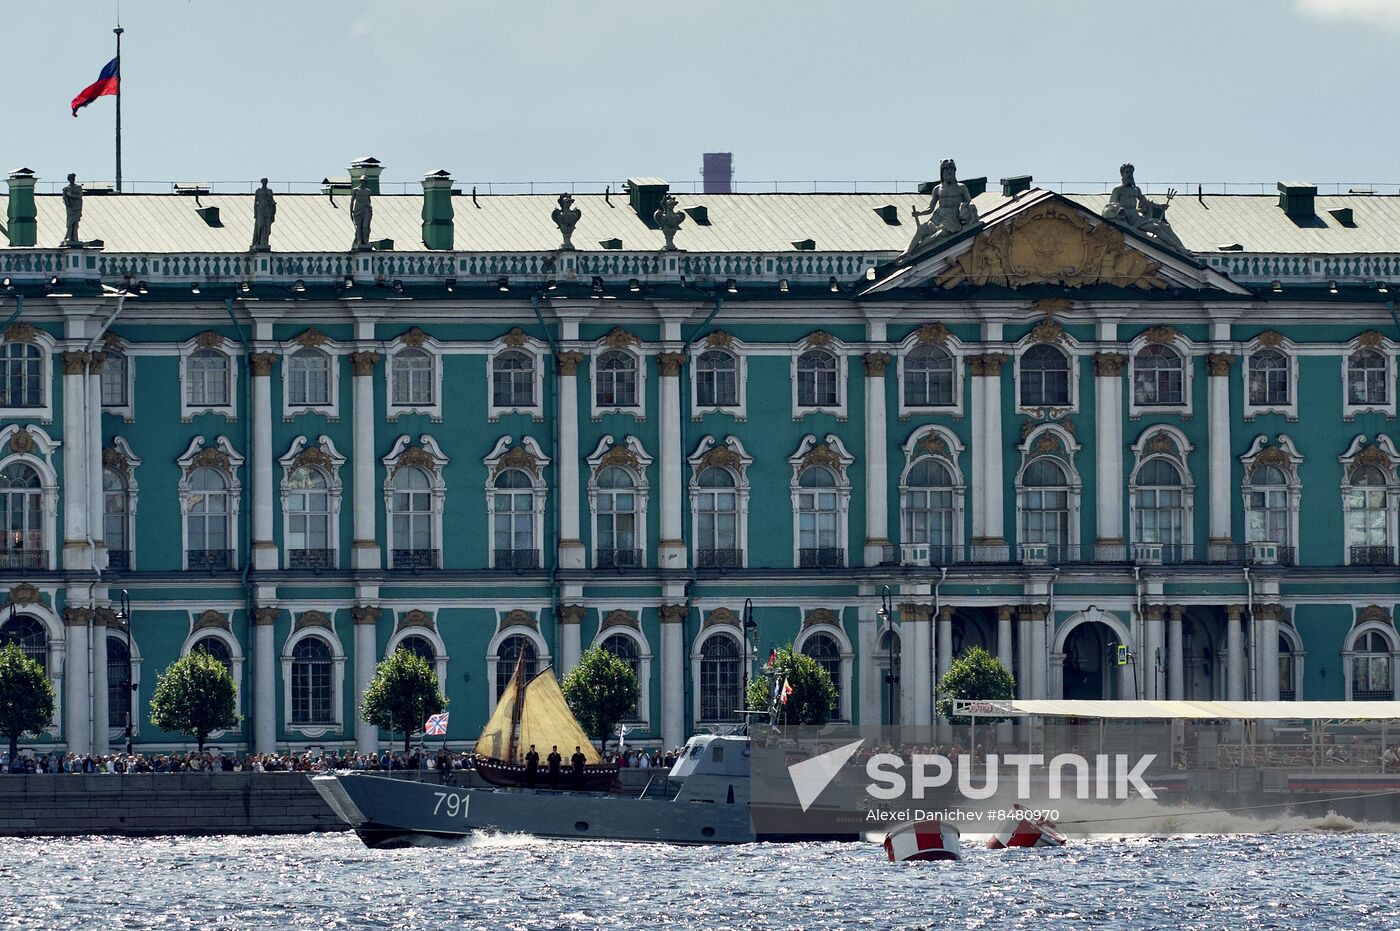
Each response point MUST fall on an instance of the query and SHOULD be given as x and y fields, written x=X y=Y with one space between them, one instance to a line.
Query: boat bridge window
x=718 y=755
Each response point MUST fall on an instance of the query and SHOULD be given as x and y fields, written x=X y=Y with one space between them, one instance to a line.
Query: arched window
x=308 y=531
x=119 y=697
x=1158 y=377
x=1371 y=668
x=1287 y=671
x=513 y=379
x=311 y=682
x=1368 y=381
x=308 y=378
x=22 y=518
x=412 y=377
x=1044 y=377
x=28 y=633
x=1159 y=512
x=207 y=379
x=1366 y=514
x=716 y=379
x=508 y=654
x=721 y=679
x=617 y=520
x=116 y=519
x=824 y=649
x=616 y=379
x=887 y=659
x=207 y=521
x=1266 y=506
x=817 y=379
x=215 y=648
x=1268 y=378
x=114 y=379
x=818 y=519
x=625 y=649
x=21 y=375
x=717 y=519
x=412 y=520
x=928 y=377
x=420 y=647
x=929 y=515
x=1045 y=513
x=514 y=516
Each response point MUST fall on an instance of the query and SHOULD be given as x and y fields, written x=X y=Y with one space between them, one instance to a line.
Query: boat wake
x=1144 y=816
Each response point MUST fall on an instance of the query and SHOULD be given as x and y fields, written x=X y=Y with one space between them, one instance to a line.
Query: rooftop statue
x=264 y=213
x=566 y=217
x=73 y=207
x=361 y=214
x=669 y=219
x=950 y=210
x=1130 y=207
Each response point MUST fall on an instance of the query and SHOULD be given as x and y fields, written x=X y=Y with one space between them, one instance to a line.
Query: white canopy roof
x=1229 y=710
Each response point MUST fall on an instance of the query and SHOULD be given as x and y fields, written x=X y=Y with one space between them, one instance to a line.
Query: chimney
x=367 y=168
x=437 y=210
x=1296 y=198
x=717 y=172
x=1016 y=184
x=645 y=196
x=975 y=186
x=22 y=221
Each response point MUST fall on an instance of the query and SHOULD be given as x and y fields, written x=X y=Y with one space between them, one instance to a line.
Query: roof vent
x=975 y=186
x=926 y=187
x=1343 y=216
x=805 y=245
x=194 y=188
x=1296 y=199
x=645 y=196
x=699 y=214
x=210 y=216
x=889 y=213
x=1230 y=247
x=1016 y=184
x=610 y=243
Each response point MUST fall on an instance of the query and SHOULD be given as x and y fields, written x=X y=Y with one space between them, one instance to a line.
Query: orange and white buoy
x=923 y=840
x=1025 y=831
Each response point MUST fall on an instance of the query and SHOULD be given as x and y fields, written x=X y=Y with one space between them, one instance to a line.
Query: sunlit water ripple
x=1342 y=881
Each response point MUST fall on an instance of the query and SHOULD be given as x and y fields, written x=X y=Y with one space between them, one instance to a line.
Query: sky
x=801 y=91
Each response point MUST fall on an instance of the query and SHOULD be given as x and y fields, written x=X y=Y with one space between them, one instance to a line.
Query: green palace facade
x=1047 y=424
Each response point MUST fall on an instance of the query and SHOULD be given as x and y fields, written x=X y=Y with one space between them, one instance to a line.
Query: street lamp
x=748 y=625
x=124 y=615
x=886 y=615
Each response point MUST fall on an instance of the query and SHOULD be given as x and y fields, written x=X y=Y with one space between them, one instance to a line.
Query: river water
x=1327 y=878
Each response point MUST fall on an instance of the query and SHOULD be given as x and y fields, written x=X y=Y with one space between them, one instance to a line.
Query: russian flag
x=106 y=84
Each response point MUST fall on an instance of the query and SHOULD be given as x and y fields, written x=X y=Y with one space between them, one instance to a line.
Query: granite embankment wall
x=183 y=803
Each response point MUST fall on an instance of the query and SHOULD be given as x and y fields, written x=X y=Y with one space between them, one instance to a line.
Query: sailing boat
x=535 y=713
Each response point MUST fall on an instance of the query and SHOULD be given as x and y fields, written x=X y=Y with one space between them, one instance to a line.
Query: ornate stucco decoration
x=74 y=363
x=1373 y=455
x=1370 y=339
x=313 y=456
x=515 y=338
x=95 y=362
x=674 y=613
x=830 y=453
x=520 y=458
x=875 y=363
x=426 y=455
x=414 y=337
x=1109 y=364
x=817 y=340
x=77 y=616
x=211 y=619
x=311 y=337
x=415 y=617
x=935 y=333
x=618 y=338
x=913 y=611
x=721 y=456
x=1053 y=244
x=988 y=363
x=934 y=445
x=670 y=363
x=1218 y=363
x=620 y=455
x=312 y=619
x=1272 y=456
x=719 y=339
x=25 y=594
x=21 y=332
x=103 y=616
x=568 y=361
x=209 y=340
x=1047 y=331
x=570 y=613
x=266 y=616
x=1050 y=306
x=821 y=616
x=22 y=442
x=527 y=456
x=1162 y=443
x=517 y=617
x=1049 y=443
x=365 y=614
x=1372 y=613
x=261 y=363
x=113 y=343
x=1270 y=338
x=363 y=363
x=1161 y=335
x=566 y=217
x=620 y=618
x=720 y=617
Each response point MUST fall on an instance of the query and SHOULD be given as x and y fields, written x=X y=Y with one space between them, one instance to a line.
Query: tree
x=195 y=696
x=600 y=690
x=403 y=694
x=976 y=674
x=814 y=695
x=26 y=697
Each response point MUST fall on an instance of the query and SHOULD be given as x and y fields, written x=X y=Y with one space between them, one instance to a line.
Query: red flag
x=772 y=657
x=106 y=84
x=787 y=690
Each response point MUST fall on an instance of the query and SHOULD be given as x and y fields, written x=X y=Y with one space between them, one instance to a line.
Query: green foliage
x=402 y=695
x=26 y=696
x=600 y=690
x=976 y=674
x=195 y=696
x=814 y=696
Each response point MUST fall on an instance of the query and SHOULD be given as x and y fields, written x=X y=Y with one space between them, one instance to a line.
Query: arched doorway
x=1086 y=653
x=887 y=661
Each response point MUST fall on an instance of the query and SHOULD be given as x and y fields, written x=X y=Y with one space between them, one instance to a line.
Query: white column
x=921 y=642
x=1039 y=653
x=877 y=520
x=570 y=646
x=366 y=549
x=1108 y=436
x=1218 y=364
x=672 y=550
x=366 y=658
x=867 y=645
x=1268 y=651
x=945 y=639
x=570 y=539
x=264 y=681
x=1004 y=654
x=77 y=704
x=673 y=675
x=76 y=553
x=264 y=549
x=100 y=728
x=986 y=434
x=1176 y=659
x=1154 y=662
x=1234 y=645
x=1025 y=645
x=94 y=464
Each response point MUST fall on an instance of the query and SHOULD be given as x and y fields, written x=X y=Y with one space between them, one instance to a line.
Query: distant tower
x=718 y=172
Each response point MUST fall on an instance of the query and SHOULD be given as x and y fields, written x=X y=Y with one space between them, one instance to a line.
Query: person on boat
x=578 y=759
x=555 y=762
x=532 y=767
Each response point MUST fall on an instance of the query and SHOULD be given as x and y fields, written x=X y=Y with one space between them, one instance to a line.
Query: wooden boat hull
x=510 y=776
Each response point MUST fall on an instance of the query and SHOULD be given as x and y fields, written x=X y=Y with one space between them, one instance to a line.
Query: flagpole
x=119 y=32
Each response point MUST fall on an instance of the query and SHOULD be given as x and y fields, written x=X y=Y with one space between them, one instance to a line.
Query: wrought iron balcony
x=719 y=559
x=517 y=559
x=24 y=559
x=414 y=559
x=119 y=560
x=1373 y=695
x=821 y=557
x=618 y=559
x=213 y=560
x=1372 y=556
x=311 y=559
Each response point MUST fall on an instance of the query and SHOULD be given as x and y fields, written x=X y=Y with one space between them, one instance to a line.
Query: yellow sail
x=495 y=736
x=543 y=718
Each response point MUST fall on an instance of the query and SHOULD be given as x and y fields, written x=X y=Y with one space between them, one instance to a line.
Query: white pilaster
x=1039 y=654
x=877 y=521
x=920 y=694
x=1004 y=653
x=945 y=640
x=867 y=642
x=986 y=433
x=77 y=702
x=100 y=728
x=1176 y=659
x=1154 y=663
x=366 y=658
x=1234 y=645
x=94 y=472
x=672 y=549
x=366 y=549
x=1025 y=645
x=570 y=619
x=76 y=553
x=264 y=681
x=570 y=539
x=673 y=675
x=264 y=550
x=1218 y=398
x=1268 y=651
x=1108 y=435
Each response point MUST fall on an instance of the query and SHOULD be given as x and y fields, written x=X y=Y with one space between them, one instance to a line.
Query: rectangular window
x=114 y=380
